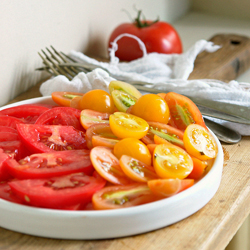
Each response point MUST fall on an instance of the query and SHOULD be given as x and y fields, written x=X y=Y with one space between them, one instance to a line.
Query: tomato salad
x=102 y=150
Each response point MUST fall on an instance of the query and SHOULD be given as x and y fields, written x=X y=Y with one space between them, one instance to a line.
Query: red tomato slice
x=90 y=117
x=61 y=116
x=115 y=197
x=107 y=165
x=51 y=164
x=7 y=194
x=58 y=192
x=4 y=175
x=100 y=129
x=27 y=112
x=9 y=136
x=9 y=121
x=169 y=187
x=14 y=149
x=183 y=111
x=4 y=129
x=49 y=138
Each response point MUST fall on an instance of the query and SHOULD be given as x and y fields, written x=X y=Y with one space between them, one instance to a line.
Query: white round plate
x=112 y=223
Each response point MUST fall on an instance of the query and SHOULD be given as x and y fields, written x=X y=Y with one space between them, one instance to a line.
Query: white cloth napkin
x=165 y=72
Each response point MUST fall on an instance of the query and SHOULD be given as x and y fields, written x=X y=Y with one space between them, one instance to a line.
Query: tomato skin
x=97 y=100
x=169 y=187
x=9 y=121
x=134 y=148
x=50 y=138
x=57 y=192
x=116 y=197
x=125 y=125
x=47 y=165
x=158 y=37
x=183 y=111
x=107 y=165
x=151 y=107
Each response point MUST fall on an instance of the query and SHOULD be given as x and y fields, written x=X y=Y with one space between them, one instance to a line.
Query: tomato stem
x=143 y=24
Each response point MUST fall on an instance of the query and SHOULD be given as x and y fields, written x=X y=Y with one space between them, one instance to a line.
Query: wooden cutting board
x=225 y=64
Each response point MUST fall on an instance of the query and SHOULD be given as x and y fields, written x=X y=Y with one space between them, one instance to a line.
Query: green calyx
x=142 y=24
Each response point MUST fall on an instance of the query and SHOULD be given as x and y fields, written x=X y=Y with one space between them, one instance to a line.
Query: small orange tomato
x=134 y=148
x=125 y=125
x=171 y=161
x=107 y=165
x=137 y=170
x=169 y=187
x=199 y=142
x=64 y=98
x=151 y=107
x=98 y=100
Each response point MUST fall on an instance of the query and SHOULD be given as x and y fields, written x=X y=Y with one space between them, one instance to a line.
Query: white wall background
x=27 y=26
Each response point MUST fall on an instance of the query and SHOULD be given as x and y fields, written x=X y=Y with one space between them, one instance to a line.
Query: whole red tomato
x=157 y=36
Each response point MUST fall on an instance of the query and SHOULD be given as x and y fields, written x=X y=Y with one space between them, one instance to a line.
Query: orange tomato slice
x=64 y=98
x=169 y=187
x=199 y=142
x=137 y=170
x=171 y=161
x=126 y=125
x=107 y=165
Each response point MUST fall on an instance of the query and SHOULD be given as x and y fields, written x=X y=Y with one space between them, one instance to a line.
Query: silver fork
x=58 y=63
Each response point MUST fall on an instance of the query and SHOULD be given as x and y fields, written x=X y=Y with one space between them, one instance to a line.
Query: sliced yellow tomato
x=171 y=161
x=126 y=125
x=98 y=140
x=122 y=100
x=199 y=142
x=169 y=187
x=133 y=147
x=137 y=170
x=107 y=165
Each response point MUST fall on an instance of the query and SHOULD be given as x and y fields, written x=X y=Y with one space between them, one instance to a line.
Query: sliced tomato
x=169 y=187
x=10 y=121
x=61 y=116
x=58 y=192
x=183 y=111
x=199 y=142
x=27 y=112
x=165 y=131
x=4 y=129
x=172 y=162
x=4 y=175
x=49 y=138
x=115 y=197
x=198 y=169
x=123 y=100
x=137 y=170
x=64 y=98
x=134 y=148
x=46 y=165
x=100 y=129
x=103 y=141
x=107 y=165
x=90 y=117
x=125 y=125
x=7 y=194
x=14 y=149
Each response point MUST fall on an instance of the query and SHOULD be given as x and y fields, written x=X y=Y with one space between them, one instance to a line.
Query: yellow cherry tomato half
x=169 y=187
x=137 y=170
x=133 y=147
x=151 y=107
x=199 y=142
x=98 y=100
x=171 y=161
x=125 y=125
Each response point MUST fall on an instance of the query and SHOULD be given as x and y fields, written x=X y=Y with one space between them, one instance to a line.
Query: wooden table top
x=211 y=228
